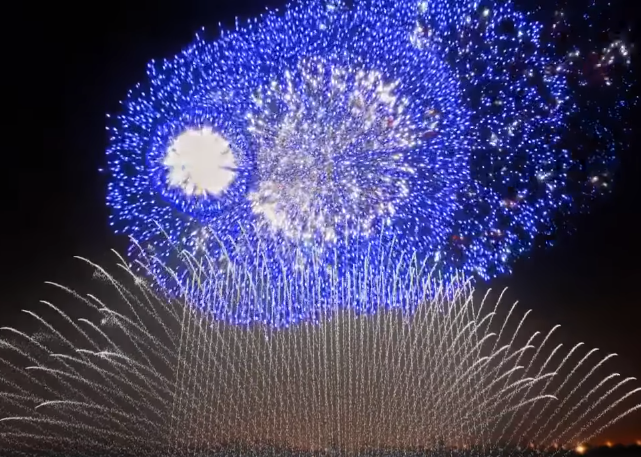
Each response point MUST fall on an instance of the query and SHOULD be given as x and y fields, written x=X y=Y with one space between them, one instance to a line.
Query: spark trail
x=140 y=373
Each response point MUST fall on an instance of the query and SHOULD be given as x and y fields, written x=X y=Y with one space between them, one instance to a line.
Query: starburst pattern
x=441 y=125
x=200 y=162
x=335 y=154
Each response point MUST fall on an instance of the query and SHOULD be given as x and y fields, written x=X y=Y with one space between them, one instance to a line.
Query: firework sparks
x=333 y=156
x=157 y=377
x=441 y=125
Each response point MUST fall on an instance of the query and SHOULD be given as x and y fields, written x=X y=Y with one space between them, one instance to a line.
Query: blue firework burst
x=329 y=131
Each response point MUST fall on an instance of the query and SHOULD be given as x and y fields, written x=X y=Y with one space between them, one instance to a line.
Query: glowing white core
x=200 y=162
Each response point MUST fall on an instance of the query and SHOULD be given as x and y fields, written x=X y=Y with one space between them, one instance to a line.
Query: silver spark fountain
x=136 y=373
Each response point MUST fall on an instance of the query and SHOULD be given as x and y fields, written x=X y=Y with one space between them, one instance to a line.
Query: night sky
x=72 y=66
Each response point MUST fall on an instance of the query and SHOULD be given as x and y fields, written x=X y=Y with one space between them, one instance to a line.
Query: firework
x=325 y=128
x=145 y=375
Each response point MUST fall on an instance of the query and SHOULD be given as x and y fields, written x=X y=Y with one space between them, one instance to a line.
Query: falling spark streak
x=574 y=390
x=154 y=375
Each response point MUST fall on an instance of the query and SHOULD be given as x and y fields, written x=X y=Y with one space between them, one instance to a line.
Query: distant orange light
x=580 y=449
x=608 y=443
x=638 y=442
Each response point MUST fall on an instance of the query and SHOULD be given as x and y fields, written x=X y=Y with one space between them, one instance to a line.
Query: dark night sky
x=79 y=61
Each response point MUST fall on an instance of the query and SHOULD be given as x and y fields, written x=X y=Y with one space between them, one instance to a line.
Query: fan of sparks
x=328 y=126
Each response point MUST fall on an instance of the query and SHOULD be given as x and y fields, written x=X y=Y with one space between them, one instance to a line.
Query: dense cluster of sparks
x=143 y=376
x=440 y=125
x=335 y=154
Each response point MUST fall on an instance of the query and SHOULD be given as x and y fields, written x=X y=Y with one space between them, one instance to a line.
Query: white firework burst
x=330 y=151
x=200 y=162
